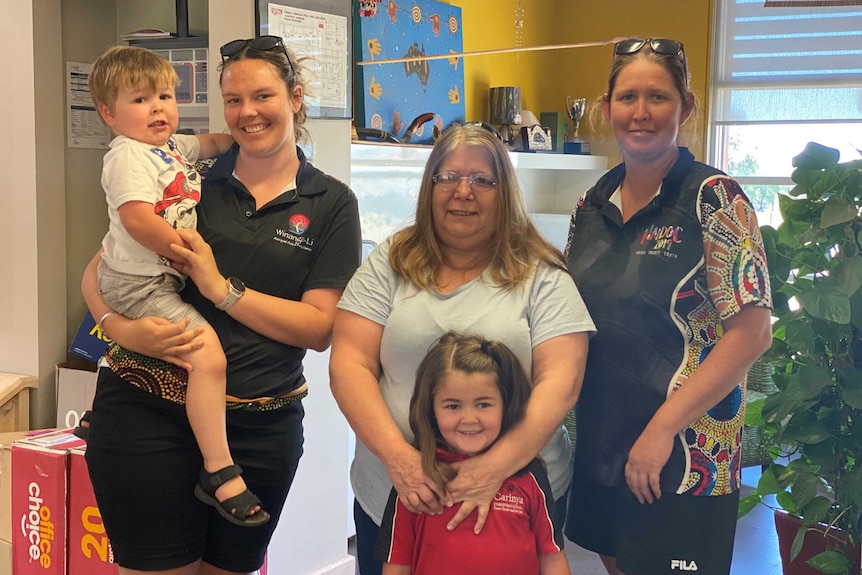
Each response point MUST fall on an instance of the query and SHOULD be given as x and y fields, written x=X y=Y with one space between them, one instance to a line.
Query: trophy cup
x=575 y=109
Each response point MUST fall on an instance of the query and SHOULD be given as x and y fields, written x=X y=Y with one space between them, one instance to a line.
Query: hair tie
x=484 y=346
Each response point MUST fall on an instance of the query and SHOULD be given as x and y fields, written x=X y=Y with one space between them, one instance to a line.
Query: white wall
x=32 y=334
x=43 y=178
x=312 y=534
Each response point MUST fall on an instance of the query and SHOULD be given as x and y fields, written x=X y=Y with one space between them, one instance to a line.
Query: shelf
x=379 y=153
x=540 y=161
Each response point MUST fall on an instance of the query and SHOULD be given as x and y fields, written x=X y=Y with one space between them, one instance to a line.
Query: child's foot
x=227 y=493
x=83 y=428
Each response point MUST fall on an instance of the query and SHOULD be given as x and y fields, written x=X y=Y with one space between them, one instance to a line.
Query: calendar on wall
x=320 y=32
x=390 y=97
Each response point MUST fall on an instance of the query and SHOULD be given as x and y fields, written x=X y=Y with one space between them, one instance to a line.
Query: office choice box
x=39 y=503
x=6 y=440
x=89 y=549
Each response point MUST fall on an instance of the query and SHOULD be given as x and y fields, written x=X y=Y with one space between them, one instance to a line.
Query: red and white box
x=89 y=549
x=40 y=487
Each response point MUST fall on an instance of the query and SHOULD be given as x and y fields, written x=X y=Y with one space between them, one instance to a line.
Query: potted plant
x=815 y=262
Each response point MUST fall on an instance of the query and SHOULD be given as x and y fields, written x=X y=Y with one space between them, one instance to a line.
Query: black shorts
x=144 y=463
x=673 y=535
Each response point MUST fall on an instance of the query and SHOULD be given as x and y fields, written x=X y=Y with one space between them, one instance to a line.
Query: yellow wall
x=547 y=77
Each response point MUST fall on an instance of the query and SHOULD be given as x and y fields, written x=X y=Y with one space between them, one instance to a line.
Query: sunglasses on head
x=261 y=44
x=657 y=45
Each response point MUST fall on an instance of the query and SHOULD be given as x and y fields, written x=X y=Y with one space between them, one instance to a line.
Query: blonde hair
x=123 y=67
x=469 y=354
x=516 y=247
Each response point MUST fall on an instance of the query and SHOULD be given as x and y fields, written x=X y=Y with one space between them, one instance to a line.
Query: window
x=783 y=77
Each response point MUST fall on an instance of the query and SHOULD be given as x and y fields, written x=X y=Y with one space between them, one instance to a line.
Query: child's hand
x=200 y=265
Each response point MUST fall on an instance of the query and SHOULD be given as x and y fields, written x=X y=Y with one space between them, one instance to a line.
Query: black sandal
x=235 y=509
x=82 y=430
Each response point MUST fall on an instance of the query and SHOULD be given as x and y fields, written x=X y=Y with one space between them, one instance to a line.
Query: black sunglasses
x=261 y=44
x=658 y=45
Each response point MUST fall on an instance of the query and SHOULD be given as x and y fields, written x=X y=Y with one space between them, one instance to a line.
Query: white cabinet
x=386 y=179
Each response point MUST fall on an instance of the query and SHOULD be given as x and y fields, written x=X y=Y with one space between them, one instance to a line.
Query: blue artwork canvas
x=391 y=96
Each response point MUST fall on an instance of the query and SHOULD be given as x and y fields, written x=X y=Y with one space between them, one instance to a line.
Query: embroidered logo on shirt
x=293 y=235
x=509 y=502
x=660 y=240
x=298 y=224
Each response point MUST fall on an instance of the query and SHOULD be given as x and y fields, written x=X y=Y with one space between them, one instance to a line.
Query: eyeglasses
x=261 y=44
x=448 y=181
x=658 y=45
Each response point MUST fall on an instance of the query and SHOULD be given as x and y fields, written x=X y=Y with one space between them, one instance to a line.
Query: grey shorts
x=141 y=296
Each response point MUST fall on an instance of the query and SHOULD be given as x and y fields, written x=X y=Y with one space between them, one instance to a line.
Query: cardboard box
x=76 y=387
x=90 y=551
x=6 y=440
x=39 y=503
x=5 y=558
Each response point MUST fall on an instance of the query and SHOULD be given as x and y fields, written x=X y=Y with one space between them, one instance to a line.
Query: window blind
x=800 y=64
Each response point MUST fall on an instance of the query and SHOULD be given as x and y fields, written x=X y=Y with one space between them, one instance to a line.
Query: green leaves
x=815 y=417
x=816 y=157
x=836 y=210
x=831 y=562
x=827 y=300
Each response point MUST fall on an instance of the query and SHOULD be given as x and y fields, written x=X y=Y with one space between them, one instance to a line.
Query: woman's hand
x=416 y=491
x=476 y=485
x=197 y=261
x=647 y=458
x=155 y=337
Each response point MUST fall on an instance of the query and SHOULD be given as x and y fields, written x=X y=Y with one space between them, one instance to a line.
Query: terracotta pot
x=786 y=526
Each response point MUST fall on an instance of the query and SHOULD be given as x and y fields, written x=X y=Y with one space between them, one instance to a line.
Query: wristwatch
x=235 y=290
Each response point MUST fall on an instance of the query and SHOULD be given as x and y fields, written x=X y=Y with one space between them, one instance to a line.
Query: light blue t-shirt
x=547 y=305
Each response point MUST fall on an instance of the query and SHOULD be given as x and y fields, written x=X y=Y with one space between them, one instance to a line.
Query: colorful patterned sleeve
x=572 y=223
x=736 y=269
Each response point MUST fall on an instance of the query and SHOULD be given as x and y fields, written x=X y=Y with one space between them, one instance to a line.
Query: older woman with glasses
x=471 y=262
x=668 y=256
x=277 y=242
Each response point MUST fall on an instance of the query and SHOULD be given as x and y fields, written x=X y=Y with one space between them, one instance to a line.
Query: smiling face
x=142 y=114
x=468 y=409
x=258 y=109
x=645 y=111
x=464 y=219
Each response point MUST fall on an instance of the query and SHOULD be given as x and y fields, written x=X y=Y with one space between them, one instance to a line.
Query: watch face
x=237 y=284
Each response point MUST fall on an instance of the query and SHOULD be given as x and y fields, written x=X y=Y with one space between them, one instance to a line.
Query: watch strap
x=233 y=294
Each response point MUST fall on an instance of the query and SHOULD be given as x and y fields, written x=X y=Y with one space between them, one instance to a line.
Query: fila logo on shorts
x=683 y=565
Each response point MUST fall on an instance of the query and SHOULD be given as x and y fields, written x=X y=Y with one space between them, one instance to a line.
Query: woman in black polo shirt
x=667 y=254
x=277 y=242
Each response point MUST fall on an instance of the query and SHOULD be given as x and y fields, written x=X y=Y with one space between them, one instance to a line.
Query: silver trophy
x=575 y=108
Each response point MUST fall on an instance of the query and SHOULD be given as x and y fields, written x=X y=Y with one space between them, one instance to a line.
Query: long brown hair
x=469 y=354
x=517 y=246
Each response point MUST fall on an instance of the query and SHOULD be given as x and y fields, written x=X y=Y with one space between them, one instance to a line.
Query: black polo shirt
x=658 y=305
x=302 y=240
